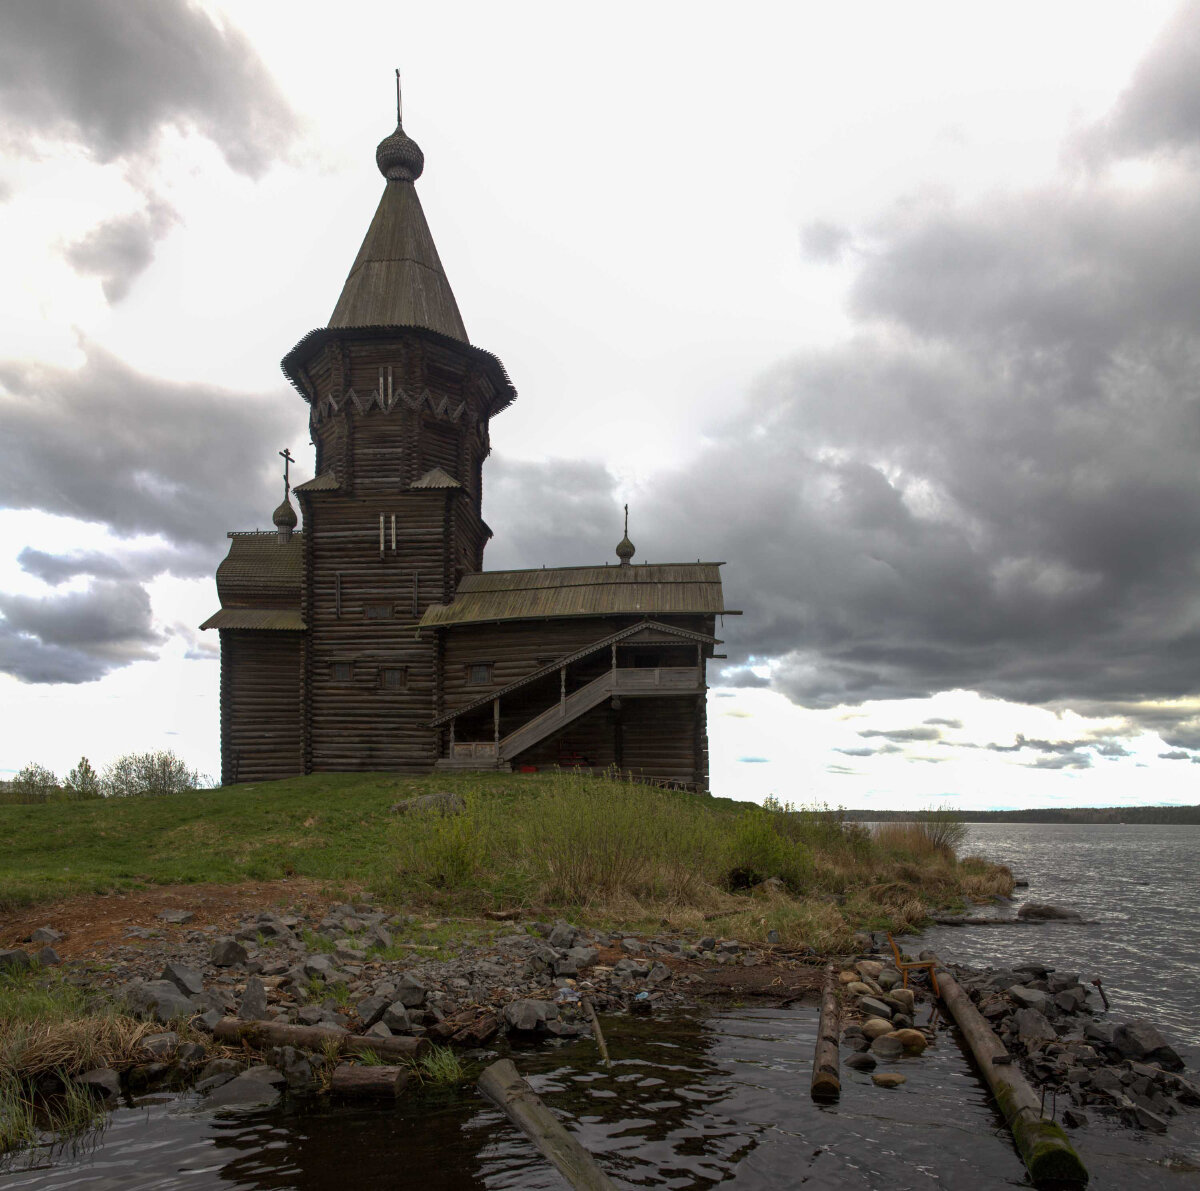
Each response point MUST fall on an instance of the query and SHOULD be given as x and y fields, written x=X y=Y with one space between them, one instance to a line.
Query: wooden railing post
x=562 y=688
x=496 y=721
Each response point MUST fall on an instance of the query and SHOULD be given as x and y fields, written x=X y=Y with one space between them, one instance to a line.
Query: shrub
x=83 y=781
x=944 y=828
x=149 y=775
x=761 y=848
x=34 y=783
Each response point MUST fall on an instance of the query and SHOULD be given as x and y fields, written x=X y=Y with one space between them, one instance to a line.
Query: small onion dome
x=399 y=157
x=625 y=550
x=285 y=517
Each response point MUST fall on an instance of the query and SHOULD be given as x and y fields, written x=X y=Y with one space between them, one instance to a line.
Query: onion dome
x=399 y=157
x=285 y=517
x=625 y=548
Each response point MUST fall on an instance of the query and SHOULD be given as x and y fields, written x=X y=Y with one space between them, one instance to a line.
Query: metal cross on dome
x=286 y=456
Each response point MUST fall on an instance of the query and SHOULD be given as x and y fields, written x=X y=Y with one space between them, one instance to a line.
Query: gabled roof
x=663 y=589
x=325 y=482
x=566 y=660
x=397 y=278
x=436 y=478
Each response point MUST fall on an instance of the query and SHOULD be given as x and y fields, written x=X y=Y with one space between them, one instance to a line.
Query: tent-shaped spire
x=397 y=278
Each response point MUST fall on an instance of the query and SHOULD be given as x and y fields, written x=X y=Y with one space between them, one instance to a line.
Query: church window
x=378 y=611
x=393 y=678
x=343 y=671
x=479 y=674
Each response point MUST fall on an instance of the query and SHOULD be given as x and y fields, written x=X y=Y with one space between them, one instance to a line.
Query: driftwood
x=354 y=1081
x=1047 y=1153
x=826 y=1082
x=987 y=921
x=590 y=1010
x=501 y=1084
x=261 y=1034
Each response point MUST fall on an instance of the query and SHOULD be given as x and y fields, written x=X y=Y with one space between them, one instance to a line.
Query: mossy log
x=826 y=1081
x=502 y=1084
x=354 y=1081
x=1049 y=1156
x=261 y=1034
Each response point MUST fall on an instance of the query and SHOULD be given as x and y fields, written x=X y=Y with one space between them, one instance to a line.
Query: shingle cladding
x=260 y=569
x=277 y=619
x=661 y=589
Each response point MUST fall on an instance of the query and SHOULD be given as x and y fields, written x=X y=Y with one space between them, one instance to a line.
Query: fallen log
x=502 y=1084
x=590 y=1010
x=354 y=1081
x=985 y=921
x=826 y=1081
x=261 y=1034
x=1048 y=1155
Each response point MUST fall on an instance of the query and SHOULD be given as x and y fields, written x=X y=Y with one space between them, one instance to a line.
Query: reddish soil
x=95 y=924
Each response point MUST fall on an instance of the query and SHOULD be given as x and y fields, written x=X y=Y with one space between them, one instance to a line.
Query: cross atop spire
x=286 y=455
x=625 y=548
x=399 y=104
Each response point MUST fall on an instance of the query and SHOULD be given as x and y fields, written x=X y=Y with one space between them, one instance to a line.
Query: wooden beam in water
x=502 y=1084
x=1051 y=1160
x=826 y=1080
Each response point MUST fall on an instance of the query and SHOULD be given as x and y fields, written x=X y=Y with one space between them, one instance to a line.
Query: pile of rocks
x=1056 y=1026
x=887 y=1030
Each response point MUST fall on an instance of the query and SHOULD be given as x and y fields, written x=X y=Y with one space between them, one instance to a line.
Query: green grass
x=564 y=843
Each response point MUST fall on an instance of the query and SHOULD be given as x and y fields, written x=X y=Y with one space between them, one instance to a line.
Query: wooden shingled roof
x=397 y=278
x=260 y=567
x=658 y=590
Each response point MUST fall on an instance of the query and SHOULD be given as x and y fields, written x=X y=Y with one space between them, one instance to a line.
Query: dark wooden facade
x=374 y=640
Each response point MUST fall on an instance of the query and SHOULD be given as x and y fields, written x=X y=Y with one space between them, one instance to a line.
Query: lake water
x=723 y=1101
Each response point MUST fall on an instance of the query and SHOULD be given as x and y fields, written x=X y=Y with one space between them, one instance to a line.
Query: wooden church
x=373 y=639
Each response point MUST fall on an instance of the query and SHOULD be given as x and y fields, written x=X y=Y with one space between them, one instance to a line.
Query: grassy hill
x=605 y=850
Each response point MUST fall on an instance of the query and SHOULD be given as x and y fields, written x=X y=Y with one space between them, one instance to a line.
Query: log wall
x=260 y=706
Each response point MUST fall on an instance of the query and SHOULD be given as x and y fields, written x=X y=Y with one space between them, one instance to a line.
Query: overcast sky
x=892 y=308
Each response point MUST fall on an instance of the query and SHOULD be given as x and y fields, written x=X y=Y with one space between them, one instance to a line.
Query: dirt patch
x=95 y=924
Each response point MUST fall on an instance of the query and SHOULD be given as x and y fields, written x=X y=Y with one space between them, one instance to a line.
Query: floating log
x=354 y=1081
x=502 y=1084
x=986 y=921
x=261 y=1034
x=1049 y=1156
x=590 y=1010
x=826 y=1081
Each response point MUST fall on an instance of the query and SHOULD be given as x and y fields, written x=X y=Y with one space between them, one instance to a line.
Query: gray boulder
x=859 y=1062
x=584 y=957
x=102 y=1081
x=161 y=1046
x=13 y=961
x=410 y=992
x=875 y=1008
x=187 y=980
x=525 y=1016
x=1140 y=1040
x=46 y=934
x=254 y=1001
x=157 y=999
x=259 y=1086
x=887 y=1046
x=563 y=935
x=1030 y=998
x=227 y=953
x=378 y=1030
x=659 y=974
x=177 y=917
x=443 y=803
x=395 y=1017
x=371 y=1010
x=48 y=958
x=1033 y=1028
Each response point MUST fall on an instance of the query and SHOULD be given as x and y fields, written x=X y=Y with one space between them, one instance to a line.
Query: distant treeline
x=1065 y=814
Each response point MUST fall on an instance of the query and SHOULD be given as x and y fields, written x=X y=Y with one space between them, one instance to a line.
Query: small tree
x=83 y=781
x=34 y=783
x=148 y=775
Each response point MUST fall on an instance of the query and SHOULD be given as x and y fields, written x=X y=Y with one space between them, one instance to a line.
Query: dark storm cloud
x=992 y=485
x=1161 y=107
x=77 y=636
x=120 y=249
x=109 y=75
x=142 y=564
x=870 y=752
x=1176 y=755
x=142 y=456
x=1064 y=761
x=743 y=676
x=560 y=512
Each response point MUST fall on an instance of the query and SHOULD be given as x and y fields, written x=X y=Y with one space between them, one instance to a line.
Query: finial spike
x=399 y=104
x=625 y=548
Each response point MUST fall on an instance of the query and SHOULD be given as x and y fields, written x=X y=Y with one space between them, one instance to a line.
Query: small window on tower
x=343 y=671
x=378 y=611
x=479 y=674
x=393 y=678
